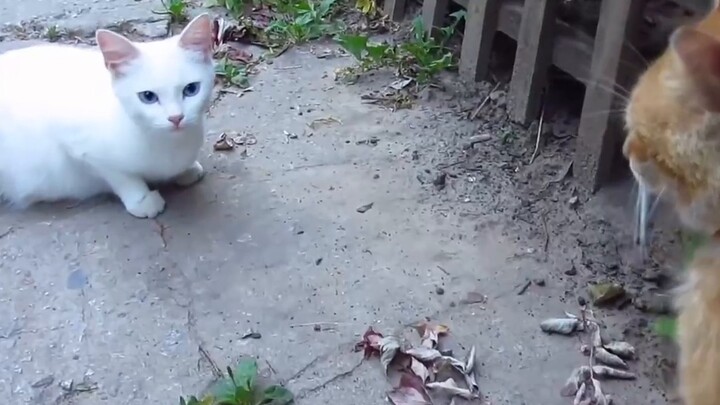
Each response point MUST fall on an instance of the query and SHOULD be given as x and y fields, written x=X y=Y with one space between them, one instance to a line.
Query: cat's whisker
x=637 y=52
x=607 y=88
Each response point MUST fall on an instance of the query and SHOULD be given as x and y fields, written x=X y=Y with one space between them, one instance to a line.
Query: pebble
x=439 y=291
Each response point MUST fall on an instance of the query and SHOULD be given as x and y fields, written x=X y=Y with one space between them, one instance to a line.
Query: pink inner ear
x=700 y=52
x=198 y=35
x=116 y=49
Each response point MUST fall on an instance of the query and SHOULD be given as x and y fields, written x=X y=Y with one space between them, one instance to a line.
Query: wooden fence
x=542 y=40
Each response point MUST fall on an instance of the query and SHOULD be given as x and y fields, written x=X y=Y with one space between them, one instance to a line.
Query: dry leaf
x=224 y=143
x=400 y=84
x=389 y=347
x=623 y=349
x=315 y=124
x=609 y=372
x=238 y=54
x=430 y=333
x=370 y=343
x=563 y=326
x=451 y=387
x=424 y=354
x=605 y=357
x=419 y=369
x=411 y=391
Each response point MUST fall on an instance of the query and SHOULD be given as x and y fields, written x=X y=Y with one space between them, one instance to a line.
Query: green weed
x=233 y=74
x=422 y=57
x=53 y=33
x=241 y=388
x=175 y=9
x=301 y=21
x=235 y=7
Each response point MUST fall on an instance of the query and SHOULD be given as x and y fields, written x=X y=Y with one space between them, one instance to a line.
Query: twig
x=524 y=288
x=8 y=232
x=298 y=325
x=161 y=231
x=539 y=135
x=215 y=369
x=271 y=367
x=547 y=236
x=480 y=107
x=331 y=380
x=443 y=270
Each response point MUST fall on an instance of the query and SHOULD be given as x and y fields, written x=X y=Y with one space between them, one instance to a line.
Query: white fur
x=69 y=131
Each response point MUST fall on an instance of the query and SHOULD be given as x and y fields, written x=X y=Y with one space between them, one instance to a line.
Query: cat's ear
x=699 y=54
x=117 y=50
x=199 y=35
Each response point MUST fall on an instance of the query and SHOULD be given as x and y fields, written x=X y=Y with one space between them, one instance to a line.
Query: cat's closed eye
x=191 y=89
x=148 y=97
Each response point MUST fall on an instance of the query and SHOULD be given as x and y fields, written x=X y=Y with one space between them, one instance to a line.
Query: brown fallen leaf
x=411 y=391
x=315 y=124
x=424 y=354
x=224 y=143
x=238 y=54
x=370 y=343
x=430 y=333
x=389 y=347
x=451 y=387
x=419 y=369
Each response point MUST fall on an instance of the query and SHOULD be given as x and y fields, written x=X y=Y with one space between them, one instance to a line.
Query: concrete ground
x=271 y=241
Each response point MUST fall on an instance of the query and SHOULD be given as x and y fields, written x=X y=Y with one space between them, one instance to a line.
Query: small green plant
x=241 y=388
x=367 y=7
x=235 y=7
x=666 y=327
x=301 y=21
x=176 y=9
x=233 y=74
x=422 y=57
x=53 y=33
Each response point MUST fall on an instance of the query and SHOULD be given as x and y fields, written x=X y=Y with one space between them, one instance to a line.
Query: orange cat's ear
x=699 y=53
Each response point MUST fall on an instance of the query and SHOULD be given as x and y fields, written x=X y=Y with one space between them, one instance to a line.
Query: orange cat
x=673 y=145
x=673 y=121
x=699 y=328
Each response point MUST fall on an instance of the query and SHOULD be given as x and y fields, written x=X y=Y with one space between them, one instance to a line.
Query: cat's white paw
x=190 y=176
x=149 y=206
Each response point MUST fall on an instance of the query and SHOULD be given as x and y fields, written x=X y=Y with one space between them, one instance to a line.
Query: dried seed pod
x=580 y=394
x=573 y=382
x=563 y=326
x=605 y=357
x=596 y=338
x=612 y=373
x=623 y=349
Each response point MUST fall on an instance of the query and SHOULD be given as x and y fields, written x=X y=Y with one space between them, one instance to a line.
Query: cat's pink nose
x=175 y=119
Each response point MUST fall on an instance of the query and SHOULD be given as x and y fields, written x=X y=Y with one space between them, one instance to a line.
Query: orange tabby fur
x=673 y=145
x=699 y=329
x=673 y=121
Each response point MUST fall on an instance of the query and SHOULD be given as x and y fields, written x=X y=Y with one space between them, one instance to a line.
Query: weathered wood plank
x=395 y=9
x=532 y=59
x=433 y=13
x=600 y=130
x=480 y=27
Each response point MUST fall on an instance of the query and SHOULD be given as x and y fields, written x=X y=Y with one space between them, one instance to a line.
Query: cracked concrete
x=272 y=242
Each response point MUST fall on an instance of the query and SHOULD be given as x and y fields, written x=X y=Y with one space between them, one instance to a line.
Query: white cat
x=76 y=122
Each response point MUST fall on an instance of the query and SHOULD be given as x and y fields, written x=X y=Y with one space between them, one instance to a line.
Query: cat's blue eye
x=148 y=97
x=191 y=89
